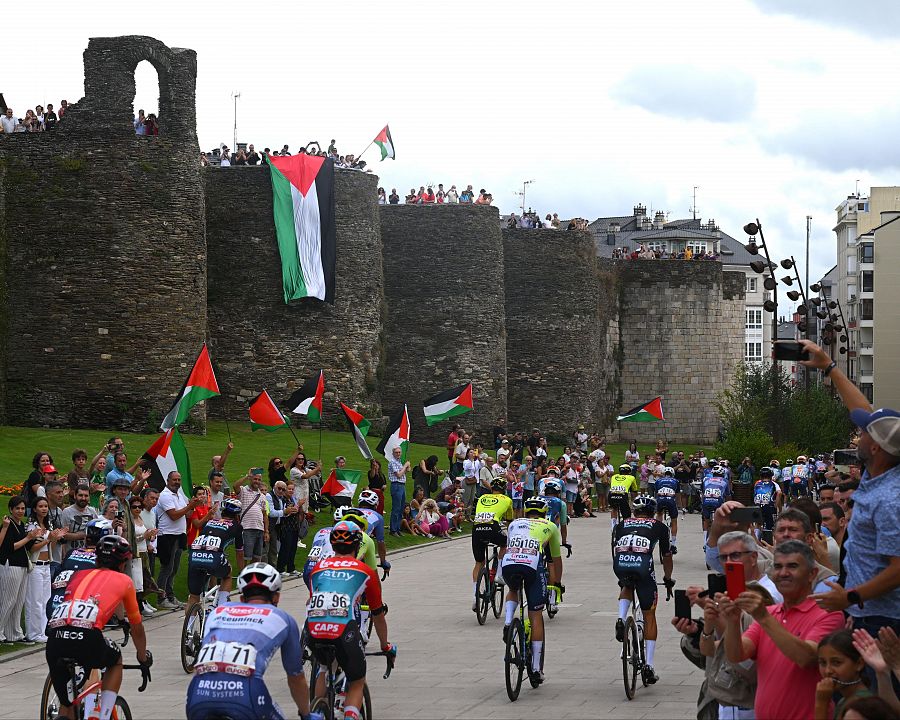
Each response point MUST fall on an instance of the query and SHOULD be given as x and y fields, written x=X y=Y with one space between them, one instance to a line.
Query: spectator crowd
x=644 y=252
x=36 y=120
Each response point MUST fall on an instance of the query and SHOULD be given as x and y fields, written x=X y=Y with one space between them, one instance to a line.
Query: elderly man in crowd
x=254 y=519
x=171 y=510
x=783 y=638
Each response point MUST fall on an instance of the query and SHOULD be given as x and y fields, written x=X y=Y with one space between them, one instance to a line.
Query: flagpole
x=295 y=435
x=227 y=427
x=363 y=152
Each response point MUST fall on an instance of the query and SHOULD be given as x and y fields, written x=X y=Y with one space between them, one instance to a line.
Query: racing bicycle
x=488 y=592
x=517 y=658
x=194 y=626
x=332 y=704
x=634 y=659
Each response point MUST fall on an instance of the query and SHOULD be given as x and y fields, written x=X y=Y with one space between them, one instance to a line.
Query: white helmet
x=670 y=470
x=261 y=574
x=368 y=498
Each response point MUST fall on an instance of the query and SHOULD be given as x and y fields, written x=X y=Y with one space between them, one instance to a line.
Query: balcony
x=866 y=376
x=866 y=349
x=866 y=323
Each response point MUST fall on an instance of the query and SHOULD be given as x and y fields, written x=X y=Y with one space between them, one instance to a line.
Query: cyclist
x=776 y=470
x=634 y=540
x=208 y=557
x=240 y=640
x=368 y=502
x=321 y=544
x=557 y=508
x=799 y=479
x=523 y=566
x=486 y=529
x=622 y=486
x=76 y=626
x=767 y=496
x=667 y=489
x=80 y=558
x=714 y=491
x=332 y=614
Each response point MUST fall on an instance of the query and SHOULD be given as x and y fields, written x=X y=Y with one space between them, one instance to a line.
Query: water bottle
x=527 y=629
x=339 y=700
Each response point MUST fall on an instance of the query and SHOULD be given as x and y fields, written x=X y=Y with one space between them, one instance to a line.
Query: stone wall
x=562 y=332
x=256 y=340
x=105 y=251
x=681 y=327
x=443 y=275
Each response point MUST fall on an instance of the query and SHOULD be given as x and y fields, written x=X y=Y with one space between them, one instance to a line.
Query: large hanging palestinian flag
x=200 y=385
x=303 y=206
x=448 y=404
x=360 y=428
x=308 y=399
x=396 y=435
x=265 y=415
x=649 y=412
x=166 y=455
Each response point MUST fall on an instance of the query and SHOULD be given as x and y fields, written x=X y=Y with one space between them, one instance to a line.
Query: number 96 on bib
x=328 y=604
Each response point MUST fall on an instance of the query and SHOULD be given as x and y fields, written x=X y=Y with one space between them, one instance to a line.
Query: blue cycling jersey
x=554 y=505
x=320 y=548
x=764 y=493
x=715 y=492
x=667 y=488
x=376 y=523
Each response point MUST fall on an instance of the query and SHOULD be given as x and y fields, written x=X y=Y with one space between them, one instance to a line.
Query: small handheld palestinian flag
x=448 y=404
x=649 y=412
x=341 y=483
x=385 y=144
x=264 y=415
x=396 y=435
x=359 y=426
x=200 y=385
x=166 y=455
x=308 y=399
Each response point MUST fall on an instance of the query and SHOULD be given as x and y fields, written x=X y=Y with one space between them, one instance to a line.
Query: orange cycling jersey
x=91 y=598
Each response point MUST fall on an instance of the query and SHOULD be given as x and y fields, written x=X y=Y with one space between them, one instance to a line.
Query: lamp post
x=769 y=283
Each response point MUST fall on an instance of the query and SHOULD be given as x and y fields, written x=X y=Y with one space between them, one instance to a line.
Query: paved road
x=449 y=666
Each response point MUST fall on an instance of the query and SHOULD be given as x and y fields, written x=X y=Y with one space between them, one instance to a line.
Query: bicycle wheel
x=642 y=653
x=483 y=595
x=121 y=711
x=497 y=598
x=514 y=659
x=321 y=706
x=630 y=657
x=365 y=712
x=191 y=637
x=50 y=703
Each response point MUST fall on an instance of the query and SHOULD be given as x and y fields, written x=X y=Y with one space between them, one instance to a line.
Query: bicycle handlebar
x=568 y=547
x=390 y=657
x=145 y=674
x=385 y=571
x=669 y=584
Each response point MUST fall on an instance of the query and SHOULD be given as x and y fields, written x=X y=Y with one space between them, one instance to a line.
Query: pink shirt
x=785 y=691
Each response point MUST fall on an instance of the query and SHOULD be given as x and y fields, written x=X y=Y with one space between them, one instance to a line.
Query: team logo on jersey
x=489 y=500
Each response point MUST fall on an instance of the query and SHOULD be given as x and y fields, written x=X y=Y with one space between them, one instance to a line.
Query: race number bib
x=62 y=579
x=331 y=604
x=523 y=544
x=666 y=492
x=484 y=517
x=712 y=493
x=78 y=613
x=209 y=543
x=633 y=543
x=228 y=657
x=763 y=498
x=315 y=552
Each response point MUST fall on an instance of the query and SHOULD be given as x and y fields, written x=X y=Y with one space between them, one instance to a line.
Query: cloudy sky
x=773 y=113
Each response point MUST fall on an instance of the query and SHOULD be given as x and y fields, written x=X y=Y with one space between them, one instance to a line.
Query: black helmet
x=645 y=504
x=346 y=537
x=112 y=551
x=499 y=483
x=766 y=472
x=231 y=507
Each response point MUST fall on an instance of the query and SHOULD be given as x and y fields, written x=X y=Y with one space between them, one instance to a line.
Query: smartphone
x=789 y=350
x=734 y=579
x=120 y=515
x=256 y=471
x=715 y=583
x=843 y=459
x=746 y=515
x=682 y=605
x=766 y=536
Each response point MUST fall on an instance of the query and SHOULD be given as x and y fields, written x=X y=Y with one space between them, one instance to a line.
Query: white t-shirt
x=171 y=501
x=470 y=468
x=214 y=498
x=301 y=488
x=149 y=518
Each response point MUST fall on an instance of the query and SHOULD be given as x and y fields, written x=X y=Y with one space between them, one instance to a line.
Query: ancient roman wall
x=681 y=328
x=256 y=340
x=105 y=250
x=562 y=332
x=446 y=325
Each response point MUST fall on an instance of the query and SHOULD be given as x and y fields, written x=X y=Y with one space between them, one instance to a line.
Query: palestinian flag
x=360 y=427
x=168 y=453
x=341 y=483
x=448 y=404
x=650 y=412
x=396 y=435
x=200 y=385
x=303 y=205
x=308 y=399
x=264 y=415
x=385 y=144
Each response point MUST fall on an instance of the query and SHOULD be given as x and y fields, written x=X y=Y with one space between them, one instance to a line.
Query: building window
x=868 y=281
x=867 y=310
x=751 y=284
x=868 y=390
x=851 y=293
x=656 y=245
x=698 y=247
x=862 y=206
x=753 y=352
x=754 y=319
x=867 y=253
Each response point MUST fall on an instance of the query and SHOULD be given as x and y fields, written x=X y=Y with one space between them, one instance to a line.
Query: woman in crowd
x=408 y=522
x=203 y=513
x=290 y=533
x=418 y=499
x=34 y=485
x=382 y=197
x=300 y=476
x=141 y=535
x=427 y=474
x=662 y=447
x=37 y=590
x=430 y=520
x=377 y=482
x=111 y=510
x=15 y=540
x=633 y=457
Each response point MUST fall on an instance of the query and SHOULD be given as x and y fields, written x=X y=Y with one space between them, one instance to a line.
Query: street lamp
x=759 y=267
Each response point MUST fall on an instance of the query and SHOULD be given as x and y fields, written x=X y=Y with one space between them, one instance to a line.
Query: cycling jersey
x=376 y=523
x=321 y=549
x=81 y=558
x=634 y=540
x=557 y=511
x=208 y=548
x=667 y=488
x=715 y=492
x=239 y=642
x=621 y=485
x=799 y=480
x=91 y=598
x=765 y=492
x=525 y=540
x=492 y=509
x=337 y=585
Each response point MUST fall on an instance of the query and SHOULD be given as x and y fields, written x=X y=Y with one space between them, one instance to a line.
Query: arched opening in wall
x=146 y=100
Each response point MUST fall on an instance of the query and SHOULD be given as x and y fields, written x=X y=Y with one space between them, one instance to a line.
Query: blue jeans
x=398 y=500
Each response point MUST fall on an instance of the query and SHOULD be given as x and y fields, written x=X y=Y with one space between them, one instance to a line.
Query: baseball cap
x=502 y=452
x=883 y=425
x=120 y=481
x=49 y=469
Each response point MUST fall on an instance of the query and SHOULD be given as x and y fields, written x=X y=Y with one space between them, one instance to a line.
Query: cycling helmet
x=775 y=464
x=112 y=551
x=552 y=486
x=766 y=472
x=536 y=505
x=368 y=498
x=788 y=462
x=553 y=469
x=645 y=503
x=346 y=537
x=820 y=457
x=670 y=470
x=338 y=513
x=499 y=483
x=801 y=458
x=96 y=529
x=231 y=507
x=724 y=463
x=259 y=574
x=718 y=471
x=625 y=468
x=358 y=516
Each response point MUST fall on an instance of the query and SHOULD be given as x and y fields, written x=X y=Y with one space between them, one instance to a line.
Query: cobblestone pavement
x=448 y=665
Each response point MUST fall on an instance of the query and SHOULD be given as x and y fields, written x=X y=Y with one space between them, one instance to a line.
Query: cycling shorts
x=215 y=695
x=768 y=516
x=348 y=649
x=484 y=535
x=667 y=505
x=707 y=511
x=636 y=572
x=621 y=504
x=797 y=489
x=198 y=574
x=535 y=582
x=87 y=647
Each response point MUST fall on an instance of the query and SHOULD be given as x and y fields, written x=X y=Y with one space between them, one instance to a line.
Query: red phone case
x=734 y=579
